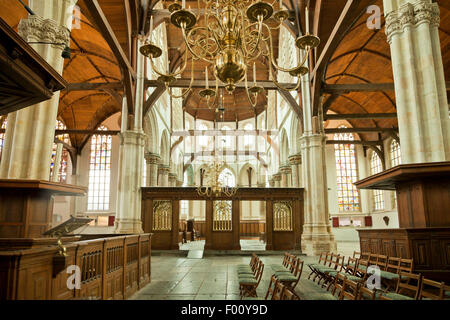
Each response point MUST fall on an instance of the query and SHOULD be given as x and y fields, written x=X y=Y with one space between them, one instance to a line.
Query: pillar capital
x=38 y=29
x=276 y=176
x=295 y=159
x=132 y=137
x=286 y=169
x=164 y=169
x=152 y=158
x=402 y=15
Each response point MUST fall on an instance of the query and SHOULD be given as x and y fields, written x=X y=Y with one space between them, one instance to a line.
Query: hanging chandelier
x=215 y=185
x=234 y=35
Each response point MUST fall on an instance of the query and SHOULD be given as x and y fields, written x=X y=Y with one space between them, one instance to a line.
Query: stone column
x=31 y=131
x=57 y=162
x=420 y=89
x=277 y=179
x=172 y=177
x=152 y=169
x=317 y=235
x=294 y=161
x=164 y=175
x=272 y=182
x=132 y=142
x=286 y=176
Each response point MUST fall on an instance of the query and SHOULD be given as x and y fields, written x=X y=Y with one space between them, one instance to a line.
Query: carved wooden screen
x=162 y=215
x=222 y=217
x=282 y=216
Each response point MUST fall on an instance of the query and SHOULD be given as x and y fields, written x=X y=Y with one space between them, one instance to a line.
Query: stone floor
x=215 y=278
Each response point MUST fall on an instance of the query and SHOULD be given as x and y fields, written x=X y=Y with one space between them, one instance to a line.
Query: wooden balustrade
x=110 y=268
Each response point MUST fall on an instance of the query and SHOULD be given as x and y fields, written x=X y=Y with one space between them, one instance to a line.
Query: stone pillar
x=277 y=179
x=295 y=161
x=420 y=88
x=272 y=182
x=132 y=142
x=128 y=217
x=57 y=162
x=317 y=235
x=152 y=169
x=286 y=176
x=172 y=177
x=164 y=175
x=30 y=132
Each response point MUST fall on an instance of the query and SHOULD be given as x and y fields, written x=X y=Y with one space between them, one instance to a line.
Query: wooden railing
x=110 y=268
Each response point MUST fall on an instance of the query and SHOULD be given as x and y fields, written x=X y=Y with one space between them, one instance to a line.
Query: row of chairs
x=277 y=291
x=394 y=272
x=289 y=272
x=250 y=276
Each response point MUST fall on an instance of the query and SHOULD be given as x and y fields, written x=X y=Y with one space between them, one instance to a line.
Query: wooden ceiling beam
x=357 y=87
x=128 y=72
x=184 y=83
x=359 y=130
x=350 y=14
x=85 y=86
x=360 y=116
x=356 y=142
x=89 y=132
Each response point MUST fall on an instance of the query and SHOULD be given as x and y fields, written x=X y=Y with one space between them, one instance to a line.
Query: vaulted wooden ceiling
x=349 y=53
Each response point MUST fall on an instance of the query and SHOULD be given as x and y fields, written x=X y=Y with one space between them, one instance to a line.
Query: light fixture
x=234 y=35
x=215 y=185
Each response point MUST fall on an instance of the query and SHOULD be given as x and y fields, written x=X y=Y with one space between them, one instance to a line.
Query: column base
x=128 y=226
x=317 y=240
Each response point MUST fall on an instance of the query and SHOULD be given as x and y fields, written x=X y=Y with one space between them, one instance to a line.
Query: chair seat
x=325 y=269
x=388 y=275
x=252 y=298
x=285 y=277
x=396 y=296
x=277 y=267
x=249 y=281
x=351 y=277
x=245 y=274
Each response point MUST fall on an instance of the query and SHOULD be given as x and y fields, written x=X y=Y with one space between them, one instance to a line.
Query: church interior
x=224 y=150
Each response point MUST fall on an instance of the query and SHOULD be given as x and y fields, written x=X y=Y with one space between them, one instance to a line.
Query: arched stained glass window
x=2 y=135
x=346 y=172
x=376 y=167
x=396 y=158
x=62 y=174
x=99 y=171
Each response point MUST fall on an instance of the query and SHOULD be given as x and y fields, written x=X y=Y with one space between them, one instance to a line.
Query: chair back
x=287 y=294
x=356 y=255
x=405 y=285
x=350 y=290
x=277 y=291
x=406 y=265
x=270 y=289
x=352 y=264
x=393 y=264
x=365 y=293
x=382 y=261
x=338 y=283
x=437 y=292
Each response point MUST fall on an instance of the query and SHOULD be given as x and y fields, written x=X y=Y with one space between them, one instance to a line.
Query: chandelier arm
x=187 y=90
x=272 y=59
x=279 y=86
x=185 y=37
x=247 y=41
x=248 y=94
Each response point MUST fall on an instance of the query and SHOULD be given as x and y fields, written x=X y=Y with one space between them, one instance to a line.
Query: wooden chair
x=382 y=261
x=287 y=294
x=404 y=285
x=278 y=291
x=338 y=283
x=271 y=288
x=285 y=264
x=329 y=260
x=350 y=267
x=389 y=276
x=251 y=267
x=322 y=260
x=291 y=279
x=436 y=292
x=406 y=265
x=330 y=275
x=350 y=290
x=365 y=293
x=373 y=259
x=446 y=292
x=356 y=255
x=248 y=283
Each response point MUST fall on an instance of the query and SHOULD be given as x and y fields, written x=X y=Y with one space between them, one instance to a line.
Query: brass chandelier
x=214 y=185
x=235 y=34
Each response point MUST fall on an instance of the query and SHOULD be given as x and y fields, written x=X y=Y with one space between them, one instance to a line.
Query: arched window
x=376 y=167
x=2 y=136
x=396 y=158
x=226 y=140
x=99 y=171
x=248 y=138
x=347 y=173
x=227 y=178
x=62 y=174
